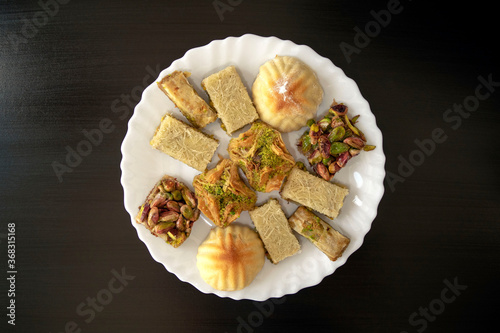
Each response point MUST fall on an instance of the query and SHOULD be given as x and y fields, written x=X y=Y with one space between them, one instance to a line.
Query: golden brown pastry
x=169 y=211
x=230 y=258
x=286 y=93
x=184 y=143
x=273 y=228
x=230 y=99
x=321 y=234
x=186 y=99
x=262 y=155
x=221 y=193
x=314 y=192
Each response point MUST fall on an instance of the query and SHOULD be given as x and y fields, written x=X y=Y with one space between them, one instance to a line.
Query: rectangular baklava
x=314 y=192
x=184 y=143
x=321 y=234
x=230 y=99
x=273 y=228
x=186 y=99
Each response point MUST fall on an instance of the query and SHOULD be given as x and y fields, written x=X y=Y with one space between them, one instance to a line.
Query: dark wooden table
x=430 y=73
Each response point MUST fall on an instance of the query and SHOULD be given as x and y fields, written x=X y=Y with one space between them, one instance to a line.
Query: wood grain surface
x=430 y=262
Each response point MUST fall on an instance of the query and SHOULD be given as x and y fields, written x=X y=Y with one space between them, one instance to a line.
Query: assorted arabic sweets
x=221 y=193
x=321 y=234
x=186 y=99
x=262 y=155
x=286 y=93
x=169 y=211
x=230 y=99
x=332 y=141
x=230 y=258
x=273 y=228
x=184 y=143
x=313 y=192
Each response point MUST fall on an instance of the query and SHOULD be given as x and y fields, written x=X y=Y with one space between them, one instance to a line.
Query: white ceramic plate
x=142 y=166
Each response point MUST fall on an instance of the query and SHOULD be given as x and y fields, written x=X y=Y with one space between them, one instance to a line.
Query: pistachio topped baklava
x=222 y=194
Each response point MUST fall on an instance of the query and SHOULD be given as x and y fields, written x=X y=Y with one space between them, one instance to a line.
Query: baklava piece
x=273 y=228
x=169 y=211
x=314 y=192
x=262 y=155
x=177 y=87
x=184 y=143
x=221 y=193
x=230 y=99
x=321 y=234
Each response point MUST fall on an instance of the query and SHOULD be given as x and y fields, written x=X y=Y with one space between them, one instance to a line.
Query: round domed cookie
x=230 y=258
x=286 y=93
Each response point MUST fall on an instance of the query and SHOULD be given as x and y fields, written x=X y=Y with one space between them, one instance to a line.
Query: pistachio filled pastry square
x=263 y=157
x=169 y=211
